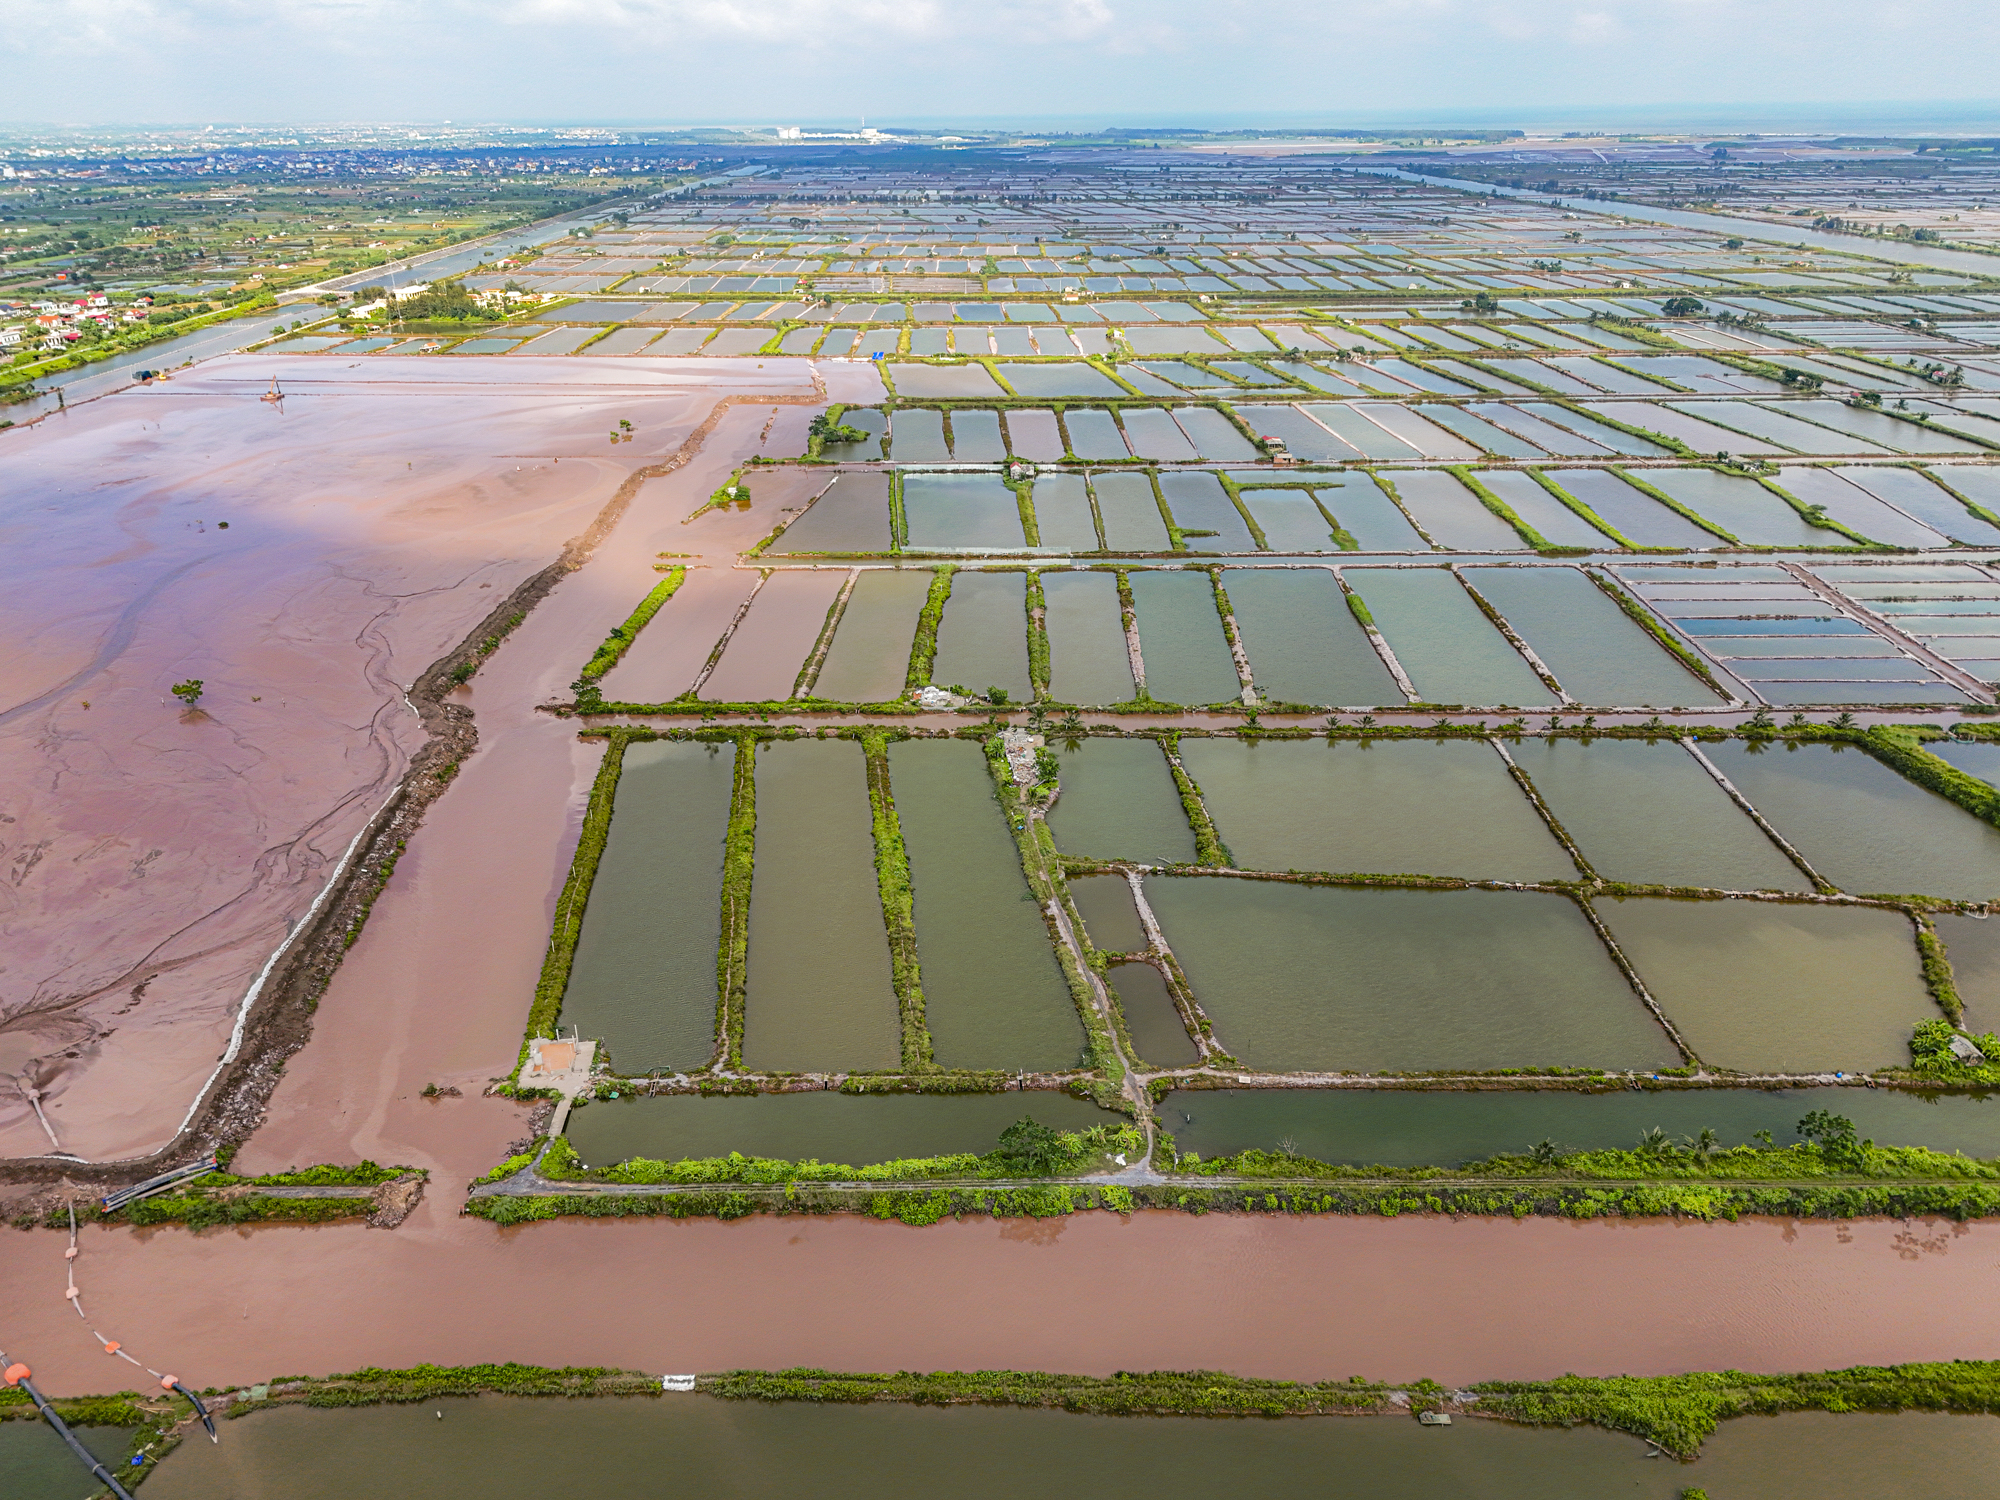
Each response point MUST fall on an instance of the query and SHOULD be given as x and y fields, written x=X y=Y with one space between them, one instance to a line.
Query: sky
x=1140 y=61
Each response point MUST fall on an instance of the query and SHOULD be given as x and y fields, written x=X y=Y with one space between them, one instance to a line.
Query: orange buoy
x=168 y=1382
x=111 y=1346
x=15 y=1374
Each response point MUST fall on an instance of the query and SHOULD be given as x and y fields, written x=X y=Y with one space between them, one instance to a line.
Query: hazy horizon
x=184 y=62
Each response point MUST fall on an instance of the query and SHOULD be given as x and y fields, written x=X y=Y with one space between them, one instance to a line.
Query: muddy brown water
x=851 y=516
x=764 y=656
x=869 y=660
x=174 y=862
x=1456 y=1300
x=1759 y=986
x=676 y=643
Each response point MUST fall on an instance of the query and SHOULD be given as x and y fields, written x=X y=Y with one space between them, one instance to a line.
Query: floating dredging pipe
x=173 y=1383
x=18 y=1375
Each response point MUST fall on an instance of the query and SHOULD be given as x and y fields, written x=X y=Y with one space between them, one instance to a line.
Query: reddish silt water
x=157 y=855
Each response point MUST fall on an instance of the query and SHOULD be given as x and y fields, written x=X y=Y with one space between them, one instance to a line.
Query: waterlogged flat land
x=1428 y=807
x=1400 y=1128
x=819 y=989
x=1647 y=812
x=1290 y=976
x=1761 y=986
x=1863 y=826
x=644 y=977
x=993 y=995
x=1305 y=977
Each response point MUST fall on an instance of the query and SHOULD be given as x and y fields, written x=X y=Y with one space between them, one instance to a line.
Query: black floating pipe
x=18 y=1375
x=199 y=1410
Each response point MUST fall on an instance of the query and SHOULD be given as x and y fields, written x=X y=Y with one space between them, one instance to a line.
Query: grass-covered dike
x=1677 y=1413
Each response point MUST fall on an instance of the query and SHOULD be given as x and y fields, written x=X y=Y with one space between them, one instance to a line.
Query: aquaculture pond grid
x=1382 y=649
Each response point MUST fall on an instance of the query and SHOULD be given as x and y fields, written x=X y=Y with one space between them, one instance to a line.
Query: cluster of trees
x=440 y=302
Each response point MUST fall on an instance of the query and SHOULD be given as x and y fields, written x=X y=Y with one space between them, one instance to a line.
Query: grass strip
x=1038 y=637
x=739 y=858
x=1938 y=976
x=1704 y=1202
x=1071 y=1152
x=1209 y=848
x=1499 y=507
x=892 y=879
x=1815 y=515
x=1679 y=1412
x=622 y=636
x=899 y=518
x=923 y=647
x=568 y=923
x=1563 y=496
x=1656 y=493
